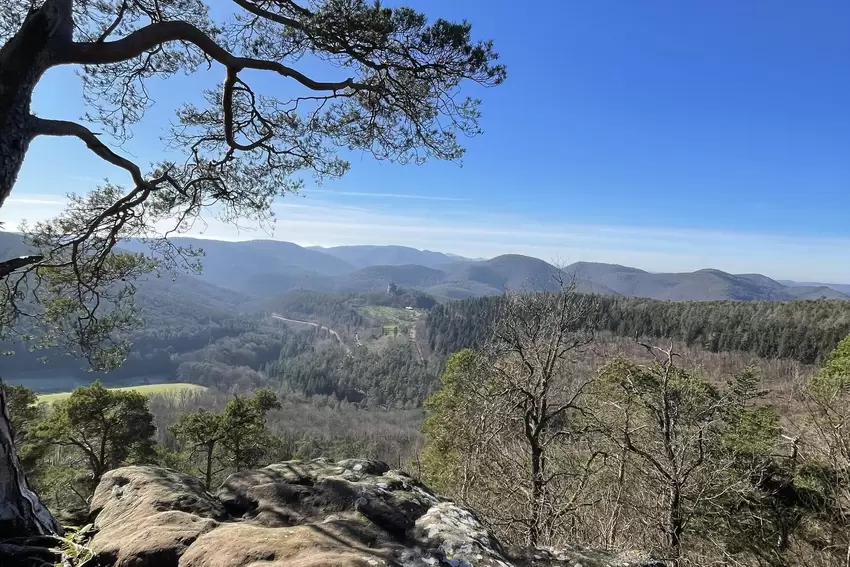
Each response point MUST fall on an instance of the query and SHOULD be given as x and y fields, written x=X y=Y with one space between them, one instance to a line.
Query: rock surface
x=352 y=513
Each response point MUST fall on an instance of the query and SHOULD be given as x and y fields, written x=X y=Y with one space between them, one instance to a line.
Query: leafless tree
x=501 y=435
x=827 y=399
x=536 y=339
x=667 y=422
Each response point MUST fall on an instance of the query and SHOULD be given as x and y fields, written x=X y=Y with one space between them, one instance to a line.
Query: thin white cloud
x=30 y=208
x=28 y=201
x=389 y=195
x=315 y=205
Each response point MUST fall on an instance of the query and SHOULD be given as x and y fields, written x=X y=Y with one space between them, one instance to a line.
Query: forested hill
x=267 y=268
x=802 y=330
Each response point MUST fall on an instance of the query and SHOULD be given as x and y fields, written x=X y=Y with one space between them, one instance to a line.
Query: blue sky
x=666 y=135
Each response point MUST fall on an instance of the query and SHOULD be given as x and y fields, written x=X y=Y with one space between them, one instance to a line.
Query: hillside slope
x=817 y=292
x=701 y=285
x=179 y=300
x=364 y=256
x=235 y=265
x=841 y=288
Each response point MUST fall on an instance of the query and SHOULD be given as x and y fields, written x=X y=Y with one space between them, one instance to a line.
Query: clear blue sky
x=666 y=135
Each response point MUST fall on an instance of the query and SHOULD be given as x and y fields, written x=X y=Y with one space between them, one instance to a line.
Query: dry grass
x=389 y=315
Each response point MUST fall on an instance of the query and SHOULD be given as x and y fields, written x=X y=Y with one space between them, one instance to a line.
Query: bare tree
x=668 y=422
x=535 y=340
x=501 y=430
x=827 y=397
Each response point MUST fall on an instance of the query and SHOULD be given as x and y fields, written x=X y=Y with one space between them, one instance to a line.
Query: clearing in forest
x=148 y=389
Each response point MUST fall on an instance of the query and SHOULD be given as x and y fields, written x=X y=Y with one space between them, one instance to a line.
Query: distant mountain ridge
x=703 y=285
x=841 y=288
x=366 y=255
x=266 y=268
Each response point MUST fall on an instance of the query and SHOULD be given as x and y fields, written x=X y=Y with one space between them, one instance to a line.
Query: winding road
x=413 y=340
x=331 y=331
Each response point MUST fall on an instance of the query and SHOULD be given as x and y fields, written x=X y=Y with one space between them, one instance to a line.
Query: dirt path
x=328 y=329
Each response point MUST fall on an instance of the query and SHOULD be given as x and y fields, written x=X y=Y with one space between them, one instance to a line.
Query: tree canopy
x=105 y=427
x=237 y=437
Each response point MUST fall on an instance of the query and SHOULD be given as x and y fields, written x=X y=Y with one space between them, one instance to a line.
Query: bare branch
x=227 y=105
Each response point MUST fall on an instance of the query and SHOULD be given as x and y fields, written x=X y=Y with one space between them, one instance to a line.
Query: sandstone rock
x=294 y=493
x=155 y=540
x=458 y=535
x=352 y=513
x=148 y=516
x=341 y=541
x=143 y=490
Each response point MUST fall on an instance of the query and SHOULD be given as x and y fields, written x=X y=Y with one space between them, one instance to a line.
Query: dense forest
x=156 y=348
x=244 y=351
x=392 y=377
x=238 y=352
x=801 y=330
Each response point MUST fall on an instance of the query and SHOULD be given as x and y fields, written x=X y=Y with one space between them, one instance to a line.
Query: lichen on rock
x=351 y=513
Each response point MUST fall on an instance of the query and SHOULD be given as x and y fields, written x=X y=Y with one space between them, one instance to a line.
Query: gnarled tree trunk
x=21 y=511
x=23 y=60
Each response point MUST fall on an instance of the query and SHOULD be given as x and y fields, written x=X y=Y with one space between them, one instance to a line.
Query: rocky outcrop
x=150 y=516
x=352 y=513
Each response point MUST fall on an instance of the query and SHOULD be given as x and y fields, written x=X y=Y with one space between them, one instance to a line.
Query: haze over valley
x=263 y=268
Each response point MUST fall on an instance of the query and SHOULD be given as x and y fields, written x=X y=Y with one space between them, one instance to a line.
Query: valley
x=196 y=323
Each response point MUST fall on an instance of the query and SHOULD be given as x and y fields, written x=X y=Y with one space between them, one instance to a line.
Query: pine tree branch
x=153 y=35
